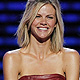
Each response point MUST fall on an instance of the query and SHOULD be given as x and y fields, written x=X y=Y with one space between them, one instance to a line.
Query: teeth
x=43 y=28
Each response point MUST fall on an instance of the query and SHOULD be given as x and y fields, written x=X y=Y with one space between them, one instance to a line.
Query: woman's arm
x=72 y=65
x=79 y=65
x=10 y=66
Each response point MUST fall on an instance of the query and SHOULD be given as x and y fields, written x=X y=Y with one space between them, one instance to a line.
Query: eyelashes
x=38 y=16
x=50 y=17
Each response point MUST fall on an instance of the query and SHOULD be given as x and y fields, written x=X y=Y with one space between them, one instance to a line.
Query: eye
x=38 y=16
x=50 y=17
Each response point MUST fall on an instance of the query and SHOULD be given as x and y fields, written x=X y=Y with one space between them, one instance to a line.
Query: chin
x=42 y=39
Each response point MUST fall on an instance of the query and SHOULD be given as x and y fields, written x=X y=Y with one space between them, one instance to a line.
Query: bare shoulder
x=11 y=64
x=12 y=56
x=68 y=53
x=71 y=59
x=71 y=63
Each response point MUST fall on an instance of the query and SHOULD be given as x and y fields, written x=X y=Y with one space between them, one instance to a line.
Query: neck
x=40 y=50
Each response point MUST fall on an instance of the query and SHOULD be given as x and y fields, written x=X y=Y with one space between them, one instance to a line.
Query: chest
x=30 y=65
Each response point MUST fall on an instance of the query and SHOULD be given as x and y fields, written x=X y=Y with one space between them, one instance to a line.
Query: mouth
x=43 y=28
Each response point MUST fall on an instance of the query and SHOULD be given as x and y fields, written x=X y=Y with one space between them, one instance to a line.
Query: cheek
x=35 y=22
x=51 y=24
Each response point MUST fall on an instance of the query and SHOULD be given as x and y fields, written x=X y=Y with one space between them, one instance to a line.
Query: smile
x=42 y=28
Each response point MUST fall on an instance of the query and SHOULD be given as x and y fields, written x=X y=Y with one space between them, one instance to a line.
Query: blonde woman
x=42 y=55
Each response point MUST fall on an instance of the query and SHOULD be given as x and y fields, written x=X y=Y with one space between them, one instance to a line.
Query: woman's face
x=43 y=24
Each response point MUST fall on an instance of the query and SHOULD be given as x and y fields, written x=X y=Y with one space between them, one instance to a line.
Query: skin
x=46 y=62
x=79 y=66
x=45 y=18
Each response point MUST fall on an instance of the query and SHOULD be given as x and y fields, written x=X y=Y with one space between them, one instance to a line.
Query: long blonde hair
x=32 y=7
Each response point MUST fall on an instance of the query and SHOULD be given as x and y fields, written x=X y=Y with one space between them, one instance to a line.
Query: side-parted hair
x=32 y=8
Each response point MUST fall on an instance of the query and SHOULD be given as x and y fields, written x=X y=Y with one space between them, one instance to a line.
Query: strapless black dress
x=43 y=77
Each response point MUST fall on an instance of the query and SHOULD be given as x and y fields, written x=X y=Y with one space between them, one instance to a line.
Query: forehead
x=47 y=8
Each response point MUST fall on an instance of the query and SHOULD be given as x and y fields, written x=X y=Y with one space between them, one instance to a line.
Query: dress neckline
x=45 y=75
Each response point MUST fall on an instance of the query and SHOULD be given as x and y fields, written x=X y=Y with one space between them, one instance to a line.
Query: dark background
x=10 y=15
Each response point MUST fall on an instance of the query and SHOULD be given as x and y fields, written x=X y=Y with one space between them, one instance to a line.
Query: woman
x=42 y=55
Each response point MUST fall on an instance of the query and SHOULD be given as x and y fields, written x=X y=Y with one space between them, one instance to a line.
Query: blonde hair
x=32 y=7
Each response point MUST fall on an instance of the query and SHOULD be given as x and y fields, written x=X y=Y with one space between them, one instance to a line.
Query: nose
x=43 y=22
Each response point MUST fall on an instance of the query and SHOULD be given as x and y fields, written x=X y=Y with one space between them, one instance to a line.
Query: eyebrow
x=47 y=15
